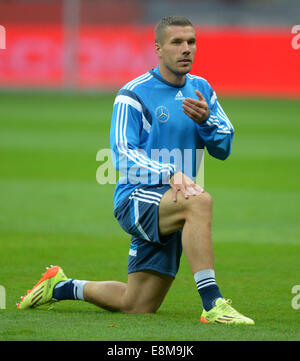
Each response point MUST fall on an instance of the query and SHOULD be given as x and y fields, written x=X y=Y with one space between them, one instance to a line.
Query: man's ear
x=157 y=48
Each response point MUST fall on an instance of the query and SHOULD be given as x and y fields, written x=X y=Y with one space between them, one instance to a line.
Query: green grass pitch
x=54 y=212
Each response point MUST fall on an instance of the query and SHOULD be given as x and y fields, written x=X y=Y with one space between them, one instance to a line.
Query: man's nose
x=185 y=47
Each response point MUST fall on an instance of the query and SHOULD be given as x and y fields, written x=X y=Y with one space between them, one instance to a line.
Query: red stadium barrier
x=235 y=61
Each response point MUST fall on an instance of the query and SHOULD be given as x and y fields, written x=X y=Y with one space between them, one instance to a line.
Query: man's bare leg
x=193 y=216
x=144 y=293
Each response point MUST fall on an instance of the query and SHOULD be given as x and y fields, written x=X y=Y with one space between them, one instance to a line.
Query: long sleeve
x=217 y=131
x=129 y=131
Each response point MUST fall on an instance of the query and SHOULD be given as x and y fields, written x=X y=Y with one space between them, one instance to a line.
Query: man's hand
x=184 y=184
x=197 y=110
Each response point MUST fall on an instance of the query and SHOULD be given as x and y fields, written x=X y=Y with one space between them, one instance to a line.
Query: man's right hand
x=182 y=183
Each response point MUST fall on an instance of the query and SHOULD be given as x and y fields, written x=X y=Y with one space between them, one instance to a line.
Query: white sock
x=78 y=289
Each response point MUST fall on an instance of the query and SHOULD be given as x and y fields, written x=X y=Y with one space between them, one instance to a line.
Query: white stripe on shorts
x=136 y=219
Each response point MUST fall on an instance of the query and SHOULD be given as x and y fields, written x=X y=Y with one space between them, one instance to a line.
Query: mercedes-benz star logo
x=162 y=114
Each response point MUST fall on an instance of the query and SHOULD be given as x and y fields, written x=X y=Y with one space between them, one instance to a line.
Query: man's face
x=177 y=50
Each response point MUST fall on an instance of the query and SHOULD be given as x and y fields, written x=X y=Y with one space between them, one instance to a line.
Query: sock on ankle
x=207 y=288
x=69 y=290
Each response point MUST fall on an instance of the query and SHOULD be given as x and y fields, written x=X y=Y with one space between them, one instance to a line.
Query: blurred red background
x=236 y=60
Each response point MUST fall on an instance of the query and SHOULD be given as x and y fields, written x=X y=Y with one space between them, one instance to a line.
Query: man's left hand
x=197 y=110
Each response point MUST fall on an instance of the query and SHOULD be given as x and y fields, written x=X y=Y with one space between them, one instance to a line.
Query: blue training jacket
x=152 y=138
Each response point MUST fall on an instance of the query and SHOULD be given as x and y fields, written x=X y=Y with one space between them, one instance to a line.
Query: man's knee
x=145 y=292
x=203 y=200
x=146 y=308
x=139 y=304
x=199 y=203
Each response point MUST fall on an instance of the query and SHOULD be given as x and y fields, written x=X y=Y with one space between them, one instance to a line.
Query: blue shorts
x=138 y=216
